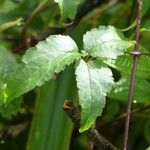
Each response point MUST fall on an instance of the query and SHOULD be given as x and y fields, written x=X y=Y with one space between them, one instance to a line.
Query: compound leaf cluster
x=94 y=79
x=40 y=63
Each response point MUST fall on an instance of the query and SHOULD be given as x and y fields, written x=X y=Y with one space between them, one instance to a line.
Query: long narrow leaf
x=51 y=128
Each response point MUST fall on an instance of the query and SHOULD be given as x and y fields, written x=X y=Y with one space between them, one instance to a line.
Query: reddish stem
x=136 y=55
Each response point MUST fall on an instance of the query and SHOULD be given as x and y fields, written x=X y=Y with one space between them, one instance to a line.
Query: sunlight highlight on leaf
x=94 y=80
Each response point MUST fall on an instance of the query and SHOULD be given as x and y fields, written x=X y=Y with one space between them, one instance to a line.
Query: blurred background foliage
x=36 y=121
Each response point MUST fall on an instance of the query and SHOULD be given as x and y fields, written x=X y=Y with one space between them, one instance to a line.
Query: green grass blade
x=51 y=128
x=42 y=117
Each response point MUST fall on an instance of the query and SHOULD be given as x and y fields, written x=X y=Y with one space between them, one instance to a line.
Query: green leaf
x=10 y=109
x=145 y=30
x=148 y=148
x=7 y=62
x=133 y=24
x=146 y=6
x=40 y=63
x=145 y=27
x=105 y=42
x=50 y=120
x=147 y=131
x=68 y=7
x=124 y=64
x=94 y=80
x=141 y=92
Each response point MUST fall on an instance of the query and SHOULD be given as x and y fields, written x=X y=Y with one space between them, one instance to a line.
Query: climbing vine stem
x=136 y=55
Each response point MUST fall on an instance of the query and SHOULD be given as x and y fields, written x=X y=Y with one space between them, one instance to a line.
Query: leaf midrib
x=35 y=83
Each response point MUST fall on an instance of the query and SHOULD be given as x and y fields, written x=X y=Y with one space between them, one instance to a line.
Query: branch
x=136 y=55
x=85 y=8
x=98 y=11
x=92 y=133
x=37 y=10
x=33 y=14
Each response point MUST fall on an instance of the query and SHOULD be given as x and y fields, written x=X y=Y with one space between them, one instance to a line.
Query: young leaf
x=94 y=80
x=68 y=7
x=40 y=63
x=105 y=42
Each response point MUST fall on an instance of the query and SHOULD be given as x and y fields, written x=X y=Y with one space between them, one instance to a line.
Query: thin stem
x=139 y=15
x=97 y=12
x=126 y=130
x=135 y=62
x=91 y=143
x=36 y=11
